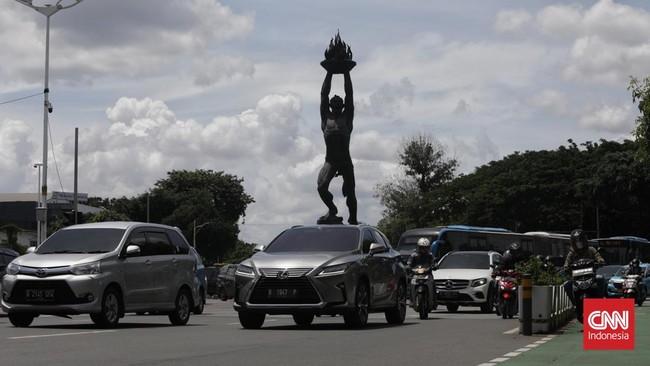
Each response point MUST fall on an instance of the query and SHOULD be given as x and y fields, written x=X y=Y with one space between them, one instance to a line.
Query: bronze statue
x=337 y=116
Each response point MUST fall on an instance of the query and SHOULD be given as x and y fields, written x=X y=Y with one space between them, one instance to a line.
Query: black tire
x=358 y=318
x=222 y=294
x=182 y=308
x=250 y=320
x=398 y=313
x=303 y=319
x=21 y=320
x=111 y=309
x=513 y=307
x=452 y=308
x=423 y=305
x=488 y=306
x=505 y=310
x=198 y=309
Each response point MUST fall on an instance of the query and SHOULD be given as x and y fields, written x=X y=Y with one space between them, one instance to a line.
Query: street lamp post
x=48 y=10
x=196 y=229
x=38 y=206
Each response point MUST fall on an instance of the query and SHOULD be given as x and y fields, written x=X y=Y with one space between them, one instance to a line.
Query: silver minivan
x=104 y=269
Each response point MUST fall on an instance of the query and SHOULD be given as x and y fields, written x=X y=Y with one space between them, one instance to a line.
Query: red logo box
x=608 y=324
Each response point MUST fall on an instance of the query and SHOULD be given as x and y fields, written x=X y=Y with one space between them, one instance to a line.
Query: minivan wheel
x=110 y=314
x=222 y=294
x=181 y=313
x=21 y=320
x=250 y=320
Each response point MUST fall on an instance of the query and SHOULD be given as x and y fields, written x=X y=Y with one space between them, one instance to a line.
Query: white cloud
x=511 y=21
x=610 y=118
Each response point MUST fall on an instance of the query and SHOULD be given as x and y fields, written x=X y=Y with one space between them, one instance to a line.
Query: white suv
x=104 y=269
x=465 y=278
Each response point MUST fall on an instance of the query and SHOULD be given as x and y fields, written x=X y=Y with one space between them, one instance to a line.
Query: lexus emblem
x=449 y=284
x=283 y=275
x=41 y=272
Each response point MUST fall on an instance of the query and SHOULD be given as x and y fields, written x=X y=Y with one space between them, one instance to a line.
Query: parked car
x=465 y=278
x=308 y=271
x=6 y=256
x=211 y=274
x=106 y=270
x=203 y=283
x=226 y=282
x=615 y=283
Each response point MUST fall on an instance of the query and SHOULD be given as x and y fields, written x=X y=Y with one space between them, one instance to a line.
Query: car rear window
x=319 y=239
x=460 y=260
x=82 y=241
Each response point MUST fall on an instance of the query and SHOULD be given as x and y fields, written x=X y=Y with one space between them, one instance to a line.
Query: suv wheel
x=250 y=320
x=452 y=308
x=222 y=294
x=181 y=313
x=359 y=316
x=489 y=304
x=21 y=320
x=110 y=314
x=398 y=314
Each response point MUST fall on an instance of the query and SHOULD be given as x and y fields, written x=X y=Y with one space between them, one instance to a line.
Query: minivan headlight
x=13 y=269
x=85 y=269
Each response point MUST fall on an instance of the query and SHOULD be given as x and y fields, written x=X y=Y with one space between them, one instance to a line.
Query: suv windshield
x=460 y=260
x=319 y=239
x=82 y=241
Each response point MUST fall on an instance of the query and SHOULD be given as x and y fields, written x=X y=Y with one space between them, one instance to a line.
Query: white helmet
x=424 y=242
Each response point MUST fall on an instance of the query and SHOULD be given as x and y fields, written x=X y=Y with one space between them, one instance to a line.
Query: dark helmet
x=578 y=238
x=635 y=262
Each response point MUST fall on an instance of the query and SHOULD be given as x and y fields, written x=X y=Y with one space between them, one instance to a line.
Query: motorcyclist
x=513 y=255
x=634 y=268
x=422 y=256
x=580 y=249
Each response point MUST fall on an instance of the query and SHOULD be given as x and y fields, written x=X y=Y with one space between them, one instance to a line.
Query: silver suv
x=465 y=278
x=106 y=270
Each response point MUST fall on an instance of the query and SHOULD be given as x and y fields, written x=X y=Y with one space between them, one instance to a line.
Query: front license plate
x=46 y=295
x=447 y=294
x=282 y=293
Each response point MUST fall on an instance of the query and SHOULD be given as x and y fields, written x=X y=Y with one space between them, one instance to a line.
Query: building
x=20 y=209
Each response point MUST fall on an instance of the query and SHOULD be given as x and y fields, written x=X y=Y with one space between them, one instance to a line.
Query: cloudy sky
x=234 y=86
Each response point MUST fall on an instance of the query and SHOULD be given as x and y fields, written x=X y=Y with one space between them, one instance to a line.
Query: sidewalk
x=566 y=348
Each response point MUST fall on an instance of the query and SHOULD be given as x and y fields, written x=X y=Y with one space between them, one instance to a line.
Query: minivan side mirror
x=30 y=250
x=132 y=250
x=258 y=248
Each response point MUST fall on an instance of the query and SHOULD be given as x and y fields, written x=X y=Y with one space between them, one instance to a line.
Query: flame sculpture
x=338 y=56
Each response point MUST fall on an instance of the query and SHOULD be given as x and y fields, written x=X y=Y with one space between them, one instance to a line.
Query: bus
x=445 y=239
x=622 y=249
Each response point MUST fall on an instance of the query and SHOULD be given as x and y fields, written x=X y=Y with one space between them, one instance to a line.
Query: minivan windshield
x=82 y=241
x=465 y=260
x=318 y=239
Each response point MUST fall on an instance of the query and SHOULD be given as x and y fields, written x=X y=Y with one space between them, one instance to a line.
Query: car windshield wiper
x=67 y=251
x=96 y=251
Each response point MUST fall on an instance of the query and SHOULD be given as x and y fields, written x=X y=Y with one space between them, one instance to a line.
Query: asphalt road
x=467 y=337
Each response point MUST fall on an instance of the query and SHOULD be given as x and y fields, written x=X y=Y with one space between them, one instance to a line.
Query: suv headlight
x=334 y=270
x=245 y=270
x=85 y=269
x=479 y=282
x=13 y=269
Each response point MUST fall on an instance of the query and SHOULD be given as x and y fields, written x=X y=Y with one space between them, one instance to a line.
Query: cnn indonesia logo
x=609 y=324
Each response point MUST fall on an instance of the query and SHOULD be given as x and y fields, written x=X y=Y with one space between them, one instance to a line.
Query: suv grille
x=43 y=293
x=271 y=290
x=290 y=272
x=451 y=284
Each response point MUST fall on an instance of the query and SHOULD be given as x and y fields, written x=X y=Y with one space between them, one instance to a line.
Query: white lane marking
x=62 y=334
x=511 y=331
x=516 y=353
x=500 y=359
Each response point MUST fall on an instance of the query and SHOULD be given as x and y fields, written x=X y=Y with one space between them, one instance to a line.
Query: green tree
x=641 y=93
x=414 y=198
x=12 y=230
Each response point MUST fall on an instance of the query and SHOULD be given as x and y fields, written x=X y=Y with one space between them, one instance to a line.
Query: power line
x=18 y=99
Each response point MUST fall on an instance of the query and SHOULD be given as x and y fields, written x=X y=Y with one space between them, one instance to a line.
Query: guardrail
x=551 y=309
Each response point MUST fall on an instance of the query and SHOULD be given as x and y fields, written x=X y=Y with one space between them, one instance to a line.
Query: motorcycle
x=506 y=304
x=585 y=284
x=423 y=293
x=633 y=288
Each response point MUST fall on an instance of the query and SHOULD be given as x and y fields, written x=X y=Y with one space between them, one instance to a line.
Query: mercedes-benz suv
x=465 y=278
x=306 y=271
